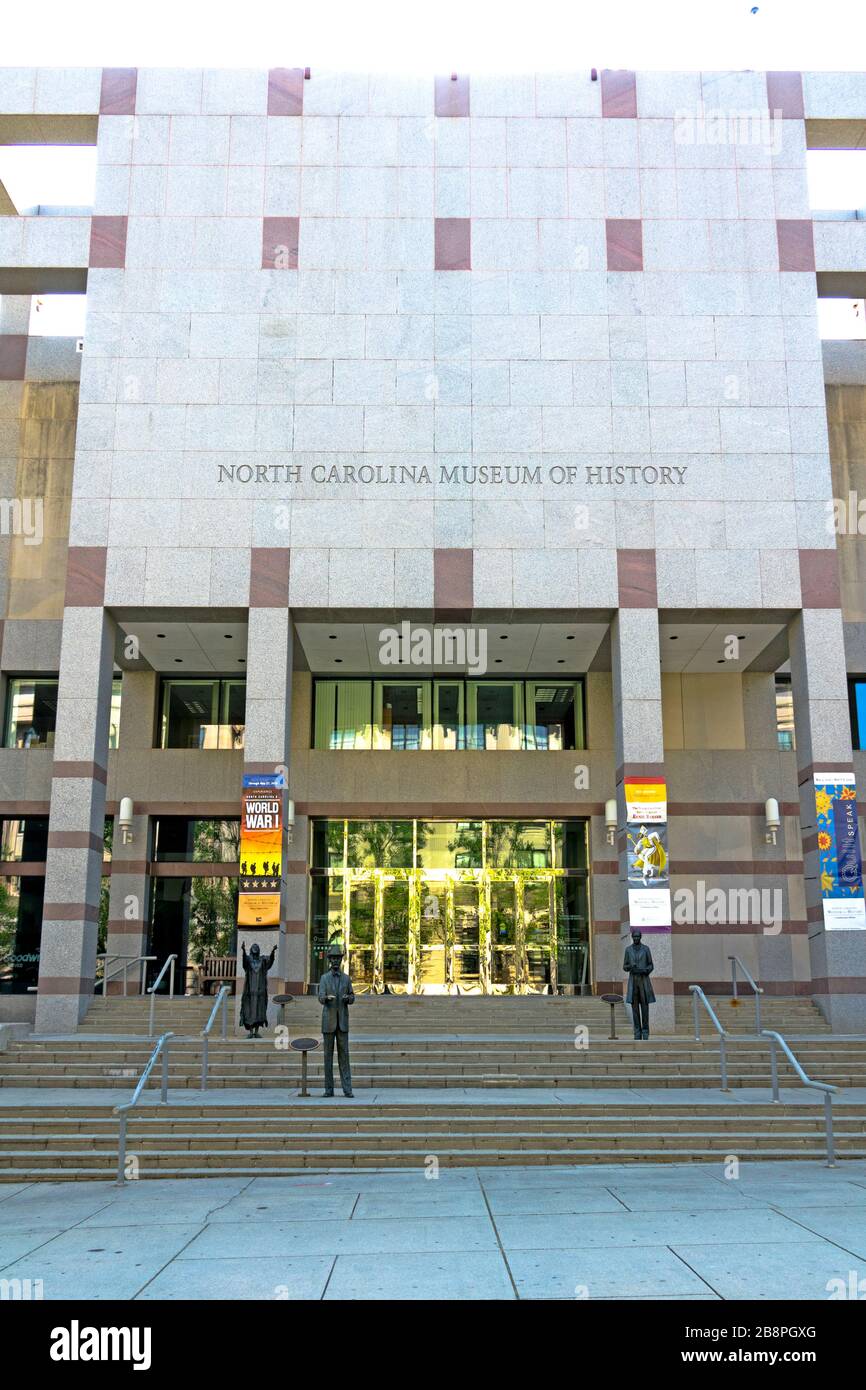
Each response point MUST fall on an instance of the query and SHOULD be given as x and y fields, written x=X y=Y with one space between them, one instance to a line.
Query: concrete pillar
x=639 y=742
x=823 y=735
x=128 y=893
x=73 y=869
x=267 y=748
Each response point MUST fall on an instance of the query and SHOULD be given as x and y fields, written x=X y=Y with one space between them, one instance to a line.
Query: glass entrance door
x=361 y=932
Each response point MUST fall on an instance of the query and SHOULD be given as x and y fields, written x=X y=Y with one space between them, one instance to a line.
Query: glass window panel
x=326 y=921
x=354 y=725
x=20 y=933
x=325 y=713
x=395 y=933
x=448 y=717
x=31 y=713
x=24 y=840
x=518 y=845
x=785 y=714
x=328 y=844
x=449 y=845
x=860 y=705
x=572 y=933
x=402 y=713
x=188 y=712
x=569 y=842
x=183 y=839
x=114 y=720
x=380 y=844
x=466 y=952
x=212 y=918
x=494 y=714
x=550 y=711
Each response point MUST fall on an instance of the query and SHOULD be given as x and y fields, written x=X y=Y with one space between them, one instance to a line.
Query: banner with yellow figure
x=839 y=861
x=261 y=850
x=649 y=892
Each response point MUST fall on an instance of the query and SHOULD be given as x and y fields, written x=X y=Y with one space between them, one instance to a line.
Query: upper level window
x=411 y=715
x=784 y=713
x=31 y=712
x=857 y=695
x=203 y=713
x=184 y=839
x=57 y=315
x=837 y=180
x=840 y=319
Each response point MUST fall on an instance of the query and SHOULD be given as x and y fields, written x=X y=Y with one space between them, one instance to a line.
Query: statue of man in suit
x=335 y=996
x=638 y=962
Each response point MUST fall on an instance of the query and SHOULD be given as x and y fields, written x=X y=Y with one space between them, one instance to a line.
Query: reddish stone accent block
x=624 y=237
x=819 y=579
x=118 y=92
x=107 y=243
x=785 y=95
x=280 y=238
x=453 y=579
x=618 y=93
x=636 y=577
x=451 y=96
x=453 y=243
x=796 y=245
x=269 y=578
x=13 y=356
x=85 y=577
x=286 y=92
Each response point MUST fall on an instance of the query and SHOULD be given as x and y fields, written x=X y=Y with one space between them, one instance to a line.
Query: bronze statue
x=335 y=996
x=254 y=1000
x=638 y=962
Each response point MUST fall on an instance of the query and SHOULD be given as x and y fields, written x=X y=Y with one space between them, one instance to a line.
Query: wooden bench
x=216 y=970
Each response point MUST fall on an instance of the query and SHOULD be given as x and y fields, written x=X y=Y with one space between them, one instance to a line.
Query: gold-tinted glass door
x=361 y=933
x=539 y=935
x=434 y=936
x=466 y=953
x=392 y=930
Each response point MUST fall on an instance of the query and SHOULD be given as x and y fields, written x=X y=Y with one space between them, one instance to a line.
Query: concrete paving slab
x=286 y=1206
x=401 y=1206
x=114 y=1264
x=42 y=1205
x=651 y=1272
x=531 y=1200
x=333 y=1237
x=466 y=1276
x=796 y=1270
x=845 y=1228
x=14 y=1244
x=628 y=1228
x=278 y=1277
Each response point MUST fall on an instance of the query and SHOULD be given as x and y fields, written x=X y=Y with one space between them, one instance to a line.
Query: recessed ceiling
x=194 y=648
x=705 y=647
x=485 y=648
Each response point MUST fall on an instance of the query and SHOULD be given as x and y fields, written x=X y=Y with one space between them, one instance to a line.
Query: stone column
x=73 y=869
x=267 y=746
x=128 y=893
x=823 y=734
x=638 y=740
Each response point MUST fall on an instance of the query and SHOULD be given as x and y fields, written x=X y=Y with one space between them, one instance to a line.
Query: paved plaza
x=677 y=1231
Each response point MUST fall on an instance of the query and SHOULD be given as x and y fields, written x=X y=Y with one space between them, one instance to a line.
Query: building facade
x=463 y=447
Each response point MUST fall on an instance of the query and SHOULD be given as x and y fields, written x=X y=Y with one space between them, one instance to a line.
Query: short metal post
x=774 y=1071
x=304 y=1090
x=171 y=979
x=697 y=1017
x=164 y=1097
x=204 y=1063
x=613 y=1022
x=757 y=1013
x=152 y=1008
x=225 y=1009
x=723 y=1062
x=733 y=977
x=828 y=1122
x=125 y=974
x=121 y=1150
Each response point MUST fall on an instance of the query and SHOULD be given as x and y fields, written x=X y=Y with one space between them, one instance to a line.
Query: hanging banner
x=261 y=850
x=649 y=893
x=645 y=801
x=839 y=861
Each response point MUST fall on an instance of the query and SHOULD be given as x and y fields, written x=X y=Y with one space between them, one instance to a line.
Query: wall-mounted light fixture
x=290 y=820
x=771 y=814
x=610 y=820
x=124 y=819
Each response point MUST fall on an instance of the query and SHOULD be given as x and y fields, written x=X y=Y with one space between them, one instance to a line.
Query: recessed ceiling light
x=228 y=636
x=570 y=637
x=502 y=638
x=561 y=661
x=498 y=660
x=673 y=638
x=160 y=634
x=741 y=637
x=338 y=660
x=242 y=661
x=179 y=660
x=332 y=636
x=721 y=661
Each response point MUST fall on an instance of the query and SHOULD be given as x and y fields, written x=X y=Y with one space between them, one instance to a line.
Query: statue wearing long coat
x=254 y=1000
x=638 y=962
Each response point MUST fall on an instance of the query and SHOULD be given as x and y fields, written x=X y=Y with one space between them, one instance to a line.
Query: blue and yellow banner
x=261 y=850
x=839 y=860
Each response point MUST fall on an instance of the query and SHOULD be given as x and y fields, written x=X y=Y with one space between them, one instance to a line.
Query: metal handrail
x=776 y=1039
x=122 y=1110
x=756 y=988
x=122 y=969
x=697 y=993
x=170 y=960
x=220 y=1002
